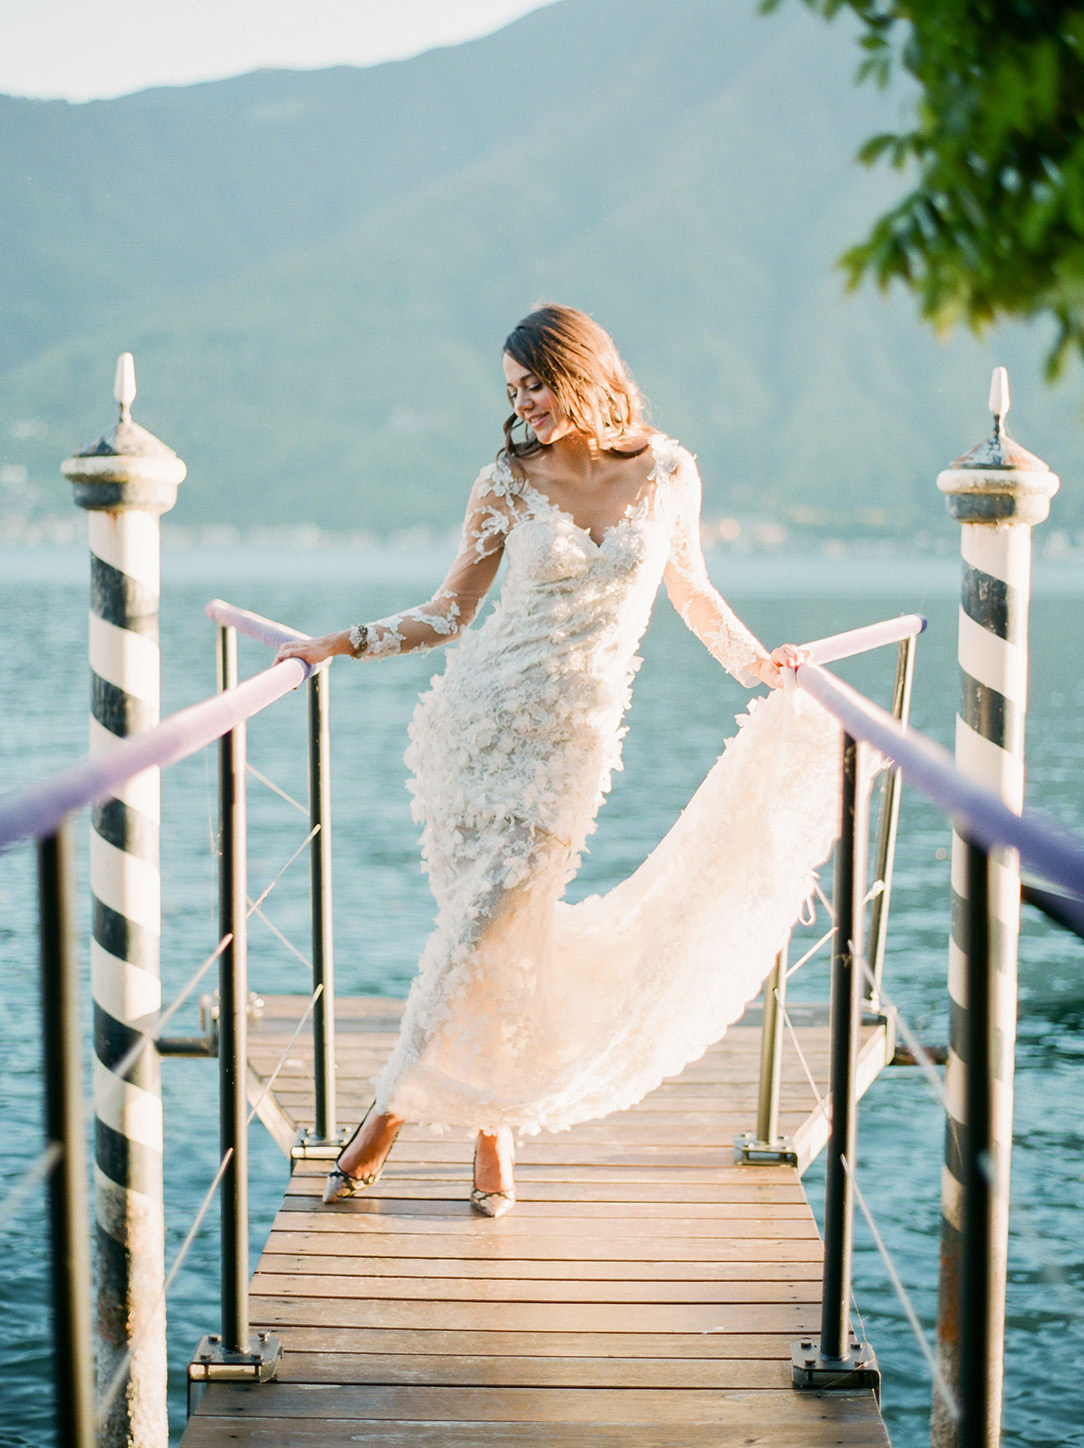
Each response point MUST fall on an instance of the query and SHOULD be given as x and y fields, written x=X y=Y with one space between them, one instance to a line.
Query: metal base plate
x=213 y=1364
x=310 y=1147
x=859 y=1369
x=780 y=1151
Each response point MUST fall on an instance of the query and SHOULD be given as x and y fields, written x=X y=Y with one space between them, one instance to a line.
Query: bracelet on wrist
x=359 y=639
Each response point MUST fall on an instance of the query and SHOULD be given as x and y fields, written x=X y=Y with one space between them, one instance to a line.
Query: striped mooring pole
x=998 y=492
x=126 y=479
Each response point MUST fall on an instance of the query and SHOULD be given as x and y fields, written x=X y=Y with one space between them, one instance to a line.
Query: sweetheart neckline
x=630 y=510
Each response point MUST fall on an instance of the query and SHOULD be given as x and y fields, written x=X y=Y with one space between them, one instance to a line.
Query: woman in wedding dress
x=528 y=1013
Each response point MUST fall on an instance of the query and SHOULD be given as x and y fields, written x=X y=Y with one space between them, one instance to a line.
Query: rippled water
x=683 y=707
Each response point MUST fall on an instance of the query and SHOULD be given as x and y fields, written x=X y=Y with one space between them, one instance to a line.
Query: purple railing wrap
x=861 y=640
x=266 y=630
x=1047 y=849
x=37 y=811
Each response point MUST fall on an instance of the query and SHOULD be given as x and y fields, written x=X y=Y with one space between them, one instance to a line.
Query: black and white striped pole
x=998 y=492
x=126 y=480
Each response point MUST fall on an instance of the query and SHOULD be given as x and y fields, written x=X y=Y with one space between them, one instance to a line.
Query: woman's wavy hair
x=578 y=362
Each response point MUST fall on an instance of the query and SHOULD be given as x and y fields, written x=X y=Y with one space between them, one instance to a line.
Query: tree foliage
x=994 y=226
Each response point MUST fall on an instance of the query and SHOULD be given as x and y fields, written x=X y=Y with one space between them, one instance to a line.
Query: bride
x=528 y=1013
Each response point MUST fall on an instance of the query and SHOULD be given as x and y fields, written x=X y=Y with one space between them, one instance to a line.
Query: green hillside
x=315 y=272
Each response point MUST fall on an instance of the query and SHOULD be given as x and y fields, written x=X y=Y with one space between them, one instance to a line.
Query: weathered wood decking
x=645 y=1290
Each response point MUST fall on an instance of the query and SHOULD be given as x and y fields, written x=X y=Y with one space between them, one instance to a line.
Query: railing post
x=998 y=492
x=839 y=1360
x=62 y=1036
x=233 y=1012
x=771 y=1050
x=323 y=954
x=126 y=479
x=230 y=1356
x=765 y=1146
x=843 y=1043
x=888 y=828
x=979 y=1347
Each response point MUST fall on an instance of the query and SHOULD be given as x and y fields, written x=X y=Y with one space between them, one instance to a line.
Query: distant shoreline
x=222 y=560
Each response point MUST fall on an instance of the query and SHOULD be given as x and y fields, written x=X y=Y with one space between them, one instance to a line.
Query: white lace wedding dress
x=527 y=1011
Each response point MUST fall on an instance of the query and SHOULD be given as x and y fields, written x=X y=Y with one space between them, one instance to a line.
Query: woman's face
x=532 y=400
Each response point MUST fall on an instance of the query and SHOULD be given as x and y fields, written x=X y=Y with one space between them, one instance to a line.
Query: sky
x=89 y=49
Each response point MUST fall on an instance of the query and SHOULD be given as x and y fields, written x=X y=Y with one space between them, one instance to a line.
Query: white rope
x=823 y=898
x=276 y=931
x=943 y=1388
x=825 y=938
x=254 y=906
x=317 y=993
x=105 y=1402
x=818 y=1097
x=36 y=1172
x=271 y=785
x=148 y=1038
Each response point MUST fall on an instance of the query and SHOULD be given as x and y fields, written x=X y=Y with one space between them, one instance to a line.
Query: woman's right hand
x=315 y=651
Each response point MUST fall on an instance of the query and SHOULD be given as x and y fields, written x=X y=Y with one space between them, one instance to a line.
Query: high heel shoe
x=489 y=1204
x=340 y=1184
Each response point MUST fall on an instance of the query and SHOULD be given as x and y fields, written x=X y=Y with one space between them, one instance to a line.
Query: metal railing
x=765 y=1145
x=44 y=813
x=1056 y=858
x=1052 y=855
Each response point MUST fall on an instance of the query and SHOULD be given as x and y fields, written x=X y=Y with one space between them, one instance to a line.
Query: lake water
x=684 y=707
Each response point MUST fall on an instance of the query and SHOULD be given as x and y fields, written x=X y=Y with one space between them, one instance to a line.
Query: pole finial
x=124 y=388
x=999 y=396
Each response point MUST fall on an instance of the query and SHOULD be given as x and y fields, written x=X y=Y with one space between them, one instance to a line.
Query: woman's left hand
x=786 y=656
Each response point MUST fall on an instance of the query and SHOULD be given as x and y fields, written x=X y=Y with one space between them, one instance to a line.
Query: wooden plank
x=798 y=1431
x=278 y=1259
x=455 y=1186
x=421 y=1218
x=540 y=1248
x=738 y=1178
x=495 y=1240
x=550 y=1204
x=388 y=1402
x=799 y=1319
x=526 y=1371
x=760 y=1288
x=337 y=1341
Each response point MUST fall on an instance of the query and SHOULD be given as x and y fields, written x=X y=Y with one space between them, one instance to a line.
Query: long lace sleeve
x=692 y=592
x=443 y=617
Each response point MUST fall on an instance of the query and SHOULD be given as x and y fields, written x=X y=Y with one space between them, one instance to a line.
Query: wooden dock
x=645 y=1290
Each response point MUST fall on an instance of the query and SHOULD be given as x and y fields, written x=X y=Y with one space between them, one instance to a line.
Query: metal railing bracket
x=779 y=1151
x=311 y=1146
x=213 y=1363
x=810 y=1370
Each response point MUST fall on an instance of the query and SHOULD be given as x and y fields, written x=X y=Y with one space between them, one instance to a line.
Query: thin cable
x=922 y=1058
x=825 y=938
x=271 y=785
x=820 y=1099
x=148 y=1038
x=823 y=898
x=37 y=1171
x=317 y=993
x=943 y=1388
x=105 y=1402
x=276 y=931
x=260 y=899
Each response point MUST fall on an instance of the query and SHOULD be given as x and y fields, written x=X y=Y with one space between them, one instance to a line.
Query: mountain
x=315 y=271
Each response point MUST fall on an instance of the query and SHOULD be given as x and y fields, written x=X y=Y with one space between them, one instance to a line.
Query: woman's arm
x=699 y=603
x=455 y=603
